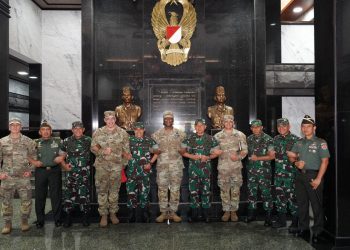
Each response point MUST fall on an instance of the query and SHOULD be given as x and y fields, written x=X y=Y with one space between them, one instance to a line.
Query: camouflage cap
x=308 y=120
x=109 y=113
x=200 y=120
x=77 y=124
x=168 y=113
x=15 y=120
x=228 y=118
x=45 y=123
x=256 y=123
x=138 y=125
x=282 y=121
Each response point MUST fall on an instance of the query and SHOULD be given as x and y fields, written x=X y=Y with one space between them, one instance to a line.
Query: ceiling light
x=22 y=73
x=272 y=24
x=297 y=9
x=33 y=77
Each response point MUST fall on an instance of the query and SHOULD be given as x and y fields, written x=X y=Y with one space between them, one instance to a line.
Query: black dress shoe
x=39 y=224
x=67 y=221
x=86 y=221
x=305 y=234
x=58 y=223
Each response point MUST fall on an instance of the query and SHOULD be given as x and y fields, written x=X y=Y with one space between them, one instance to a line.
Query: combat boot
x=67 y=221
x=104 y=221
x=226 y=216
x=7 y=228
x=132 y=215
x=113 y=218
x=175 y=217
x=24 y=225
x=251 y=216
x=293 y=228
x=85 y=220
x=206 y=215
x=234 y=217
x=160 y=219
x=280 y=222
x=193 y=215
x=268 y=221
x=145 y=215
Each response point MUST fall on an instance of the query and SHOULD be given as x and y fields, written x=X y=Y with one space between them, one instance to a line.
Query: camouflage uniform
x=259 y=172
x=285 y=174
x=108 y=167
x=76 y=188
x=169 y=168
x=199 y=172
x=138 y=183
x=15 y=153
x=230 y=175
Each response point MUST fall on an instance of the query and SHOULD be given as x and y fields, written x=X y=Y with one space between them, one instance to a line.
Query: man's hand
x=234 y=157
x=300 y=164
x=147 y=167
x=127 y=156
x=3 y=176
x=315 y=183
x=37 y=164
x=107 y=151
x=27 y=174
x=254 y=157
x=204 y=158
x=67 y=167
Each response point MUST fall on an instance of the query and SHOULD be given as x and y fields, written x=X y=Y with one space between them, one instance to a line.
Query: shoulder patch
x=324 y=146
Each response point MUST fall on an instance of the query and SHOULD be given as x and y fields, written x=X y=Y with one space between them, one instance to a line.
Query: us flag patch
x=324 y=146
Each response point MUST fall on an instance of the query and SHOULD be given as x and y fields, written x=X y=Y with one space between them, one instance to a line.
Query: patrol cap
x=138 y=125
x=256 y=123
x=15 y=120
x=168 y=114
x=77 y=124
x=308 y=120
x=45 y=123
x=282 y=121
x=228 y=118
x=200 y=120
x=109 y=113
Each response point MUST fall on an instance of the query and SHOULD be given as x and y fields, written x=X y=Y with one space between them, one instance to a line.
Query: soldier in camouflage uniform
x=169 y=168
x=110 y=144
x=76 y=150
x=285 y=176
x=16 y=150
x=138 y=171
x=233 y=148
x=200 y=148
x=260 y=152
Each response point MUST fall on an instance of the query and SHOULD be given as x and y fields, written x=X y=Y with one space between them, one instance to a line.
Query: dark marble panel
x=273 y=31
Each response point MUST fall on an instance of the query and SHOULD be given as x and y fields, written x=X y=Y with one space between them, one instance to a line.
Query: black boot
x=193 y=215
x=85 y=220
x=132 y=215
x=206 y=215
x=67 y=221
x=251 y=216
x=280 y=222
x=145 y=215
x=293 y=228
x=268 y=221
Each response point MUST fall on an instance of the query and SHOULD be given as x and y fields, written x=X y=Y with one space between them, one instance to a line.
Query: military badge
x=173 y=36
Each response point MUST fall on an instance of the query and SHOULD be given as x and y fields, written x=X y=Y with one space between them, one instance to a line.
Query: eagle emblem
x=173 y=36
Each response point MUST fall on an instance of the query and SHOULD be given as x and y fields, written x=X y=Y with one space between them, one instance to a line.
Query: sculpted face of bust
x=220 y=97
x=127 y=96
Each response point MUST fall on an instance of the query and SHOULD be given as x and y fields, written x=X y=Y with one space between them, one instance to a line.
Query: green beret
x=138 y=125
x=200 y=120
x=256 y=123
x=282 y=121
x=77 y=124
x=308 y=120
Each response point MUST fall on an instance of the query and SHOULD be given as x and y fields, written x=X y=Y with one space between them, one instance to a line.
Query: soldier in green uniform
x=16 y=151
x=311 y=156
x=200 y=148
x=138 y=171
x=285 y=176
x=110 y=144
x=260 y=153
x=76 y=152
x=48 y=175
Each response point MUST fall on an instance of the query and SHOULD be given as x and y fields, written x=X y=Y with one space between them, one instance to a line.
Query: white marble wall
x=25 y=29
x=295 y=108
x=297 y=44
x=61 y=67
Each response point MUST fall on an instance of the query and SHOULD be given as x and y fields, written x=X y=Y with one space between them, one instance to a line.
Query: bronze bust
x=127 y=113
x=216 y=113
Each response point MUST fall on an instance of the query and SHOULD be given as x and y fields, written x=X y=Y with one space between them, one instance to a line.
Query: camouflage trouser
x=76 y=189
x=24 y=189
x=137 y=187
x=285 y=192
x=107 y=187
x=259 y=178
x=199 y=187
x=230 y=182
x=169 y=177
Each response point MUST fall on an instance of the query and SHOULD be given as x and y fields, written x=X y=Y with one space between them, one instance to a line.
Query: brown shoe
x=234 y=217
x=103 y=221
x=7 y=228
x=24 y=225
x=113 y=218
x=161 y=218
x=175 y=217
x=226 y=216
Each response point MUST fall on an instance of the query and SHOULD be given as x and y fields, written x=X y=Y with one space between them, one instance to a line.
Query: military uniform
x=14 y=153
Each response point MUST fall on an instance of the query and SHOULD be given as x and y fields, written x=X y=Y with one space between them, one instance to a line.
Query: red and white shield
x=173 y=33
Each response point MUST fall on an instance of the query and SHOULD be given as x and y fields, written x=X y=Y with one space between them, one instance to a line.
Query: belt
x=48 y=167
x=304 y=171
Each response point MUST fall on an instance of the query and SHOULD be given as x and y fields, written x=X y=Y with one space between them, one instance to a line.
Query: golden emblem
x=174 y=37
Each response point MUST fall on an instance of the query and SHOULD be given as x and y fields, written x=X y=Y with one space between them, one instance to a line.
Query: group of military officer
x=114 y=149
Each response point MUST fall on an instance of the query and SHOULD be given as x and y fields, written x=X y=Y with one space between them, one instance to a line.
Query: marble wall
x=61 y=67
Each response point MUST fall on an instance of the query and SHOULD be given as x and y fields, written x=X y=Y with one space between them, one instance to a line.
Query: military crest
x=173 y=36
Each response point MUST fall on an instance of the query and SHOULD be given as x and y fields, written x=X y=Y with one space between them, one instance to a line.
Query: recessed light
x=22 y=73
x=272 y=24
x=297 y=9
x=33 y=77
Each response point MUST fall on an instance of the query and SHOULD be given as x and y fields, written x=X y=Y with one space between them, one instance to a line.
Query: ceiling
x=58 y=4
x=305 y=15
